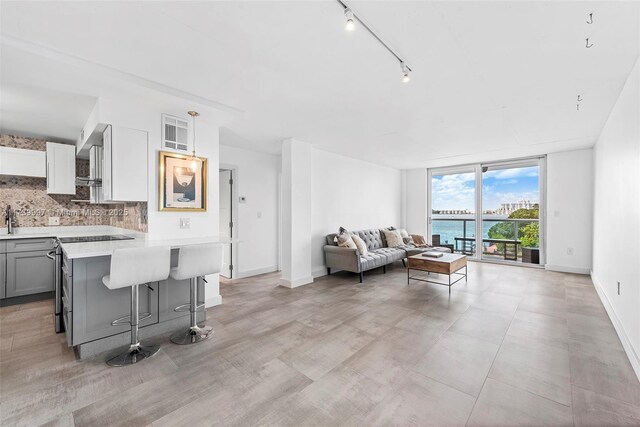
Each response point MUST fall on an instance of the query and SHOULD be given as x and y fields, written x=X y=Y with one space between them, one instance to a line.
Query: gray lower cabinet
x=29 y=272
x=89 y=307
x=173 y=293
x=3 y=275
x=92 y=306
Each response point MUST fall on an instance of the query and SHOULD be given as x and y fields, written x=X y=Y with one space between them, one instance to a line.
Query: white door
x=226 y=221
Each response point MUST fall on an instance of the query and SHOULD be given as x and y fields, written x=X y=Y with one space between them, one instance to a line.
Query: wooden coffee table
x=448 y=264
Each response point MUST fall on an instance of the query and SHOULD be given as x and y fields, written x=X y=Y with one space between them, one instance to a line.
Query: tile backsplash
x=33 y=206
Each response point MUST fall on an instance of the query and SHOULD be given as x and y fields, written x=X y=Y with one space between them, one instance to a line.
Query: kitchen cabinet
x=25 y=268
x=21 y=162
x=3 y=275
x=173 y=293
x=89 y=306
x=61 y=168
x=125 y=165
x=29 y=272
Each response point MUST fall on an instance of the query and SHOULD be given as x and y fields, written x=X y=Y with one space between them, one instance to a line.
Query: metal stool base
x=134 y=354
x=193 y=335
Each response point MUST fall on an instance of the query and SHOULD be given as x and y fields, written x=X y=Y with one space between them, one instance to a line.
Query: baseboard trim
x=297 y=282
x=213 y=301
x=320 y=272
x=565 y=269
x=624 y=339
x=257 y=272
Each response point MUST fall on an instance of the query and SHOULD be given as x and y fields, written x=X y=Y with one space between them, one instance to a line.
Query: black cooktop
x=83 y=239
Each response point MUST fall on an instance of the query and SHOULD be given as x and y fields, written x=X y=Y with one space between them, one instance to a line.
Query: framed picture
x=183 y=183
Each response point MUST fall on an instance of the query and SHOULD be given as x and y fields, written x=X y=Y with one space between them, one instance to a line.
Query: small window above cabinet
x=61 y=168
x=175 y=133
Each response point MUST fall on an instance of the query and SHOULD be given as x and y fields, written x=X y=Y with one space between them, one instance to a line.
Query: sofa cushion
x=344 y=240
x=408 y=240
x=392 y=254
x=393 y=238
x=419 y=240
x=360 y=244
x=372 y=259
x=372 y=238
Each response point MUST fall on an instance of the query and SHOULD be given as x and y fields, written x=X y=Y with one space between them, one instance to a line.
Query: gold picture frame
x=181 y=187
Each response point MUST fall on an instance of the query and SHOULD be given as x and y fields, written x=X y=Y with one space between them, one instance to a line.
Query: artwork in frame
x=183 y=182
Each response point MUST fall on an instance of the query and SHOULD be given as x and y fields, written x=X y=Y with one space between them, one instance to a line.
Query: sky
x=498 y=186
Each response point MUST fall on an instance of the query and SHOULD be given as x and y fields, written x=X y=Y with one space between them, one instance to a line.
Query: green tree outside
x=528 y=234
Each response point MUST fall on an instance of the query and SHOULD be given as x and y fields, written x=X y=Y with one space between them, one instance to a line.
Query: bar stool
x=132 y=267
x=195 y=261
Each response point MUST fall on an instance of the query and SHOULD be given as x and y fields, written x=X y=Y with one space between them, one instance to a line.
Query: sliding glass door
x=453 y=210
x=489 y=211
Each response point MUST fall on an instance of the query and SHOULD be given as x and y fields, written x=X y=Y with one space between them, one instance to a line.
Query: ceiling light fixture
x=194 y=159
x=350 y=26
x=405 y=72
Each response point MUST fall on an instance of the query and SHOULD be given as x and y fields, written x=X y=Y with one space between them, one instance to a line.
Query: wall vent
x=175 y=133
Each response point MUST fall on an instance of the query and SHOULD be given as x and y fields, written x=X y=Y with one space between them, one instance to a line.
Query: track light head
x=405 y=73
x=350 y=25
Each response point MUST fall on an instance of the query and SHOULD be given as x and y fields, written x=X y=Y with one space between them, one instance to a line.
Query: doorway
x=226 y=220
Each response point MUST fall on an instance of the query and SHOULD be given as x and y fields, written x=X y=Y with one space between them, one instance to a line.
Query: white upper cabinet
x=61 y=168
x=21 y=162
x=125 y=165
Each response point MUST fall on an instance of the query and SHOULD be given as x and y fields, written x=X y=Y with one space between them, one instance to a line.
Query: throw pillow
x=344 y=240
x=419 y=241
x=393 y=237
x=404 y=233
x=360 y=244
x=408 y=240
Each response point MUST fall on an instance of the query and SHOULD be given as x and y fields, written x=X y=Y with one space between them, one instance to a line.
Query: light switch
x=185 y=222
x=242 y=199
x=54 y=220
x=259 y=214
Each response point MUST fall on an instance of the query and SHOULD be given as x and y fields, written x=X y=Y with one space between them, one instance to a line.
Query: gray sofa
x=379 y=254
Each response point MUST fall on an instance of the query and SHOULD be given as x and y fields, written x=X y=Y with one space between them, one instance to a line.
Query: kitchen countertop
x=105 y=248
x=96 y=249
x=65 y=231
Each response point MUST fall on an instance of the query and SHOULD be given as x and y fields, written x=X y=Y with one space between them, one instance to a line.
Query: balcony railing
x=459 y=235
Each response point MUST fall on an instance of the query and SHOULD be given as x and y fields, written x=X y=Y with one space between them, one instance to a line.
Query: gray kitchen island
x=89 y=308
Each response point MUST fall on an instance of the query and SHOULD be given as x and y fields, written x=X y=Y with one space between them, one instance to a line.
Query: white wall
x=256 y=221
x=146 y=114
x=569 y=211
x=353 y=194
x=616 y=221
x=415 y=195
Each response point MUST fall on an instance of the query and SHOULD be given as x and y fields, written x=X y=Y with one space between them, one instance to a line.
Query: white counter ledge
x=66 y=231
x=97 y=249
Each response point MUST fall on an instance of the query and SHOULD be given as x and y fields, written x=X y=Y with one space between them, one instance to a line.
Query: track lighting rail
x=403 y=62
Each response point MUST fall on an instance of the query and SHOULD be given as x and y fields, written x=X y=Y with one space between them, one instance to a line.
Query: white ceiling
x=490 y=78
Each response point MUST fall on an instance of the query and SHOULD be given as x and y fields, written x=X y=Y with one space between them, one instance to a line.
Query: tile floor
x=512 y=346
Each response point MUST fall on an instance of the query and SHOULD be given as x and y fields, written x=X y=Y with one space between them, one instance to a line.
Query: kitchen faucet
x=9 y=219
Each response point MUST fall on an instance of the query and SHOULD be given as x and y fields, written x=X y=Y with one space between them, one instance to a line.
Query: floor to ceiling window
x=453 y=209
x=489 y=211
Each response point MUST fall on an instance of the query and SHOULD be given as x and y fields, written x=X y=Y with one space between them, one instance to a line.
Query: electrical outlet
x=618 y=288
x=185 y=222
x=54 y=220
x=569 y=251
x=242 y=199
